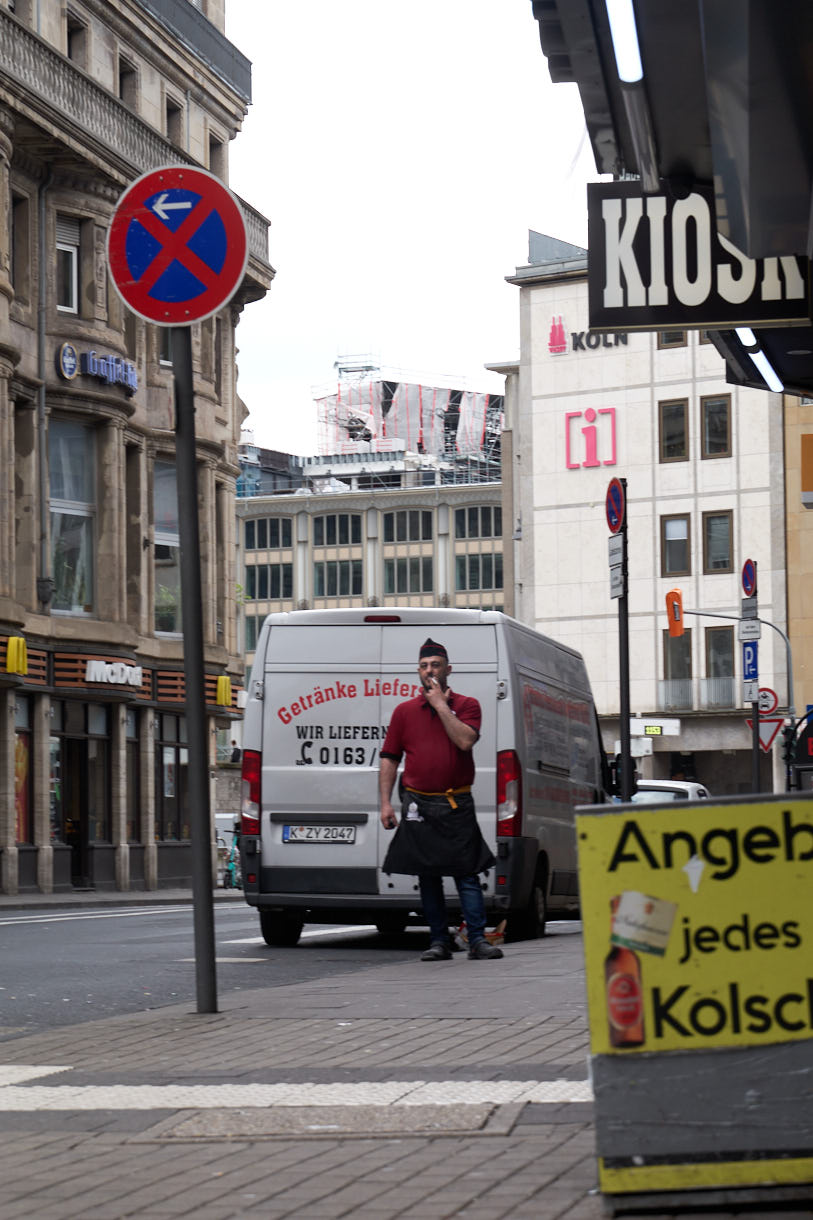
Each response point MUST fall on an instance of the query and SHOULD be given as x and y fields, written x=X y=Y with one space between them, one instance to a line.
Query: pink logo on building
x=593 y=442
x=557 y=343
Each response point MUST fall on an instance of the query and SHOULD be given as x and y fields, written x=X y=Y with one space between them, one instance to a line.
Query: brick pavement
x=370 y=1061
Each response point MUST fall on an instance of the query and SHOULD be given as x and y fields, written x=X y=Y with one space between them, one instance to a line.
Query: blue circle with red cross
x=177 y=245
x=615 y=505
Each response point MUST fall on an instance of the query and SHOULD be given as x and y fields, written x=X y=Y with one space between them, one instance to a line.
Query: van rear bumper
x=346 y=908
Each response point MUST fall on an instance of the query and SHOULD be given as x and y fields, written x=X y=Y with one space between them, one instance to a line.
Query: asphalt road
x=66 y=965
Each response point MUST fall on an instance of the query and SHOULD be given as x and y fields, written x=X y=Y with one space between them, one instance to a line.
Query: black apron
x=437 y=840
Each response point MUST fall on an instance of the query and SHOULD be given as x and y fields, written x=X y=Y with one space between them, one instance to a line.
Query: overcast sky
x=401 y=153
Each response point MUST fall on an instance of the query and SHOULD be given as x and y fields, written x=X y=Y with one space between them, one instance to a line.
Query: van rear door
x=321 y=739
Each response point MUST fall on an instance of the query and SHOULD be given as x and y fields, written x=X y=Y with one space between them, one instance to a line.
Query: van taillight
x=252 y=769
x=509 y=794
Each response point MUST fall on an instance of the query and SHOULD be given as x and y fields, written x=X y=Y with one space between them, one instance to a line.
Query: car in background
x=659 y=791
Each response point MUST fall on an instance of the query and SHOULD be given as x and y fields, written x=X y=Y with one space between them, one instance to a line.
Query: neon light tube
x=624 y=33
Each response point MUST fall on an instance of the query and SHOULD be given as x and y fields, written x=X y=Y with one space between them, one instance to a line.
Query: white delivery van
x=322 y=689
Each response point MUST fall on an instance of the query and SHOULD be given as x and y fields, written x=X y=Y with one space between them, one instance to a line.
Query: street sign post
x=615 y=505
x=177 y=252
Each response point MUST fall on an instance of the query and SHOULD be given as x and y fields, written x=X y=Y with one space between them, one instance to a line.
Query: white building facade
x=705 y=490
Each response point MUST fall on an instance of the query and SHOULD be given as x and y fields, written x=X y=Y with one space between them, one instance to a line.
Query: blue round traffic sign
x=177 y=246
x=616 y=505
x=749 y=577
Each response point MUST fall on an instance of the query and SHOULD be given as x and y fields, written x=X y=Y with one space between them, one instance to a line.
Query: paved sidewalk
x=419 y=1091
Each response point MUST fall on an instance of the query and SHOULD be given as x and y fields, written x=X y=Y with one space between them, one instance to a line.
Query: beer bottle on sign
x=624 y=992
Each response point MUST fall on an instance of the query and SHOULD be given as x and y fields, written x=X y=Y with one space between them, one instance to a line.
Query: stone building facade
x=93 y=749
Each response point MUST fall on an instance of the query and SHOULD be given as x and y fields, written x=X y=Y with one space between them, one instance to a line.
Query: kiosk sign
x=698 y=929
x=732 y=968
x=177 y=246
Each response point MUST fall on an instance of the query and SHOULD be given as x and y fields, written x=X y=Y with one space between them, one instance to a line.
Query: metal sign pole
x=192 y=615
x=624 y=668
x=756 y=785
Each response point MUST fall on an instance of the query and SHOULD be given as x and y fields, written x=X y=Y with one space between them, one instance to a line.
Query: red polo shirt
x=433 y=763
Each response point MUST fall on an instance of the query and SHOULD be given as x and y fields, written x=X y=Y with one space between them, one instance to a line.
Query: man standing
x=438 y=835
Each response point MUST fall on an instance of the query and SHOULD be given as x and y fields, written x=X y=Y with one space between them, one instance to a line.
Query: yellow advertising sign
x=698 y=925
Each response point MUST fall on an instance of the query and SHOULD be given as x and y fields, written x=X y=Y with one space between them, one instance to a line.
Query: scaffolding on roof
x=368 y=411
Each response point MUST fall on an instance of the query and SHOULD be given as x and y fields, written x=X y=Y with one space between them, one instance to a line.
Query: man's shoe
x=437 y=953
x=482 y=949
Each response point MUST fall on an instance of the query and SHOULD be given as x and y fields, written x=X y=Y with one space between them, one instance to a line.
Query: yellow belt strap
x=450 y=794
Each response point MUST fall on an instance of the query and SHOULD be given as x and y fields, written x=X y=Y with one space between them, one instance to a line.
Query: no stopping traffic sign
x=176 y=246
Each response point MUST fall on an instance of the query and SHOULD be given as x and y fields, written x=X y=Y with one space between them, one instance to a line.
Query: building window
x=266 y=581
x=268 y=534
x=409 y=575
x=128 y=83
x=77 y=41
x=217 y=157
x=675 y=551
x=478 y=521
x=172 y=822
x=677 y=671
x=167 y=601
x=338 y=578
x=338 y=529
x=67 y=264
x=673 y=428
x=720 y=667
x=251 y=632
x=478 y=572
x=715 y=426
x=671 y=338
x=408 y=525
x=717 y=542
x=71 y=459
x=164 y=340
x=173 y=119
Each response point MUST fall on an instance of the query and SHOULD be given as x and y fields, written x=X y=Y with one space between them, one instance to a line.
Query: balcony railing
x=675 y=695
x=718 y=693
x=712 y=694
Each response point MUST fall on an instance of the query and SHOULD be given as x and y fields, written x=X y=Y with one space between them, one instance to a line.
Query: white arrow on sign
x=768 y=728
x=161 y=207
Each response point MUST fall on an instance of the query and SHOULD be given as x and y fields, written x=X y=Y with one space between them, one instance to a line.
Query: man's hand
x=436 y=696
x=389 y=819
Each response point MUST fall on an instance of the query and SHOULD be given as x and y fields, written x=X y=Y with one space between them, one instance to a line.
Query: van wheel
x=391 y=925
x=529 y=923
x=281 y=931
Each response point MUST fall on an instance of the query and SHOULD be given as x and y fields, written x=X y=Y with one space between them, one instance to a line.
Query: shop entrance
x=80 y=784
x=75 y=812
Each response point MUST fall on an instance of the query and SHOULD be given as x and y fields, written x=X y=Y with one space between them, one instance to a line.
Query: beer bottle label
x=625 y=1001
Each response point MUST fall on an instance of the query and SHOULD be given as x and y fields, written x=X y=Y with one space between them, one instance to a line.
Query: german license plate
x=318 y=834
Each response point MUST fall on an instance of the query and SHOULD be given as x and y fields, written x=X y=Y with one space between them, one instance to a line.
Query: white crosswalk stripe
x=18 y=1096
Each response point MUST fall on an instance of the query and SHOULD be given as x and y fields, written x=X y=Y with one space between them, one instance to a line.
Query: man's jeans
x=434 y=908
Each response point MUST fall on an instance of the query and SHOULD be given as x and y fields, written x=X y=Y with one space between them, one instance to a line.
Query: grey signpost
x=168 y=281
x=616 y=512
